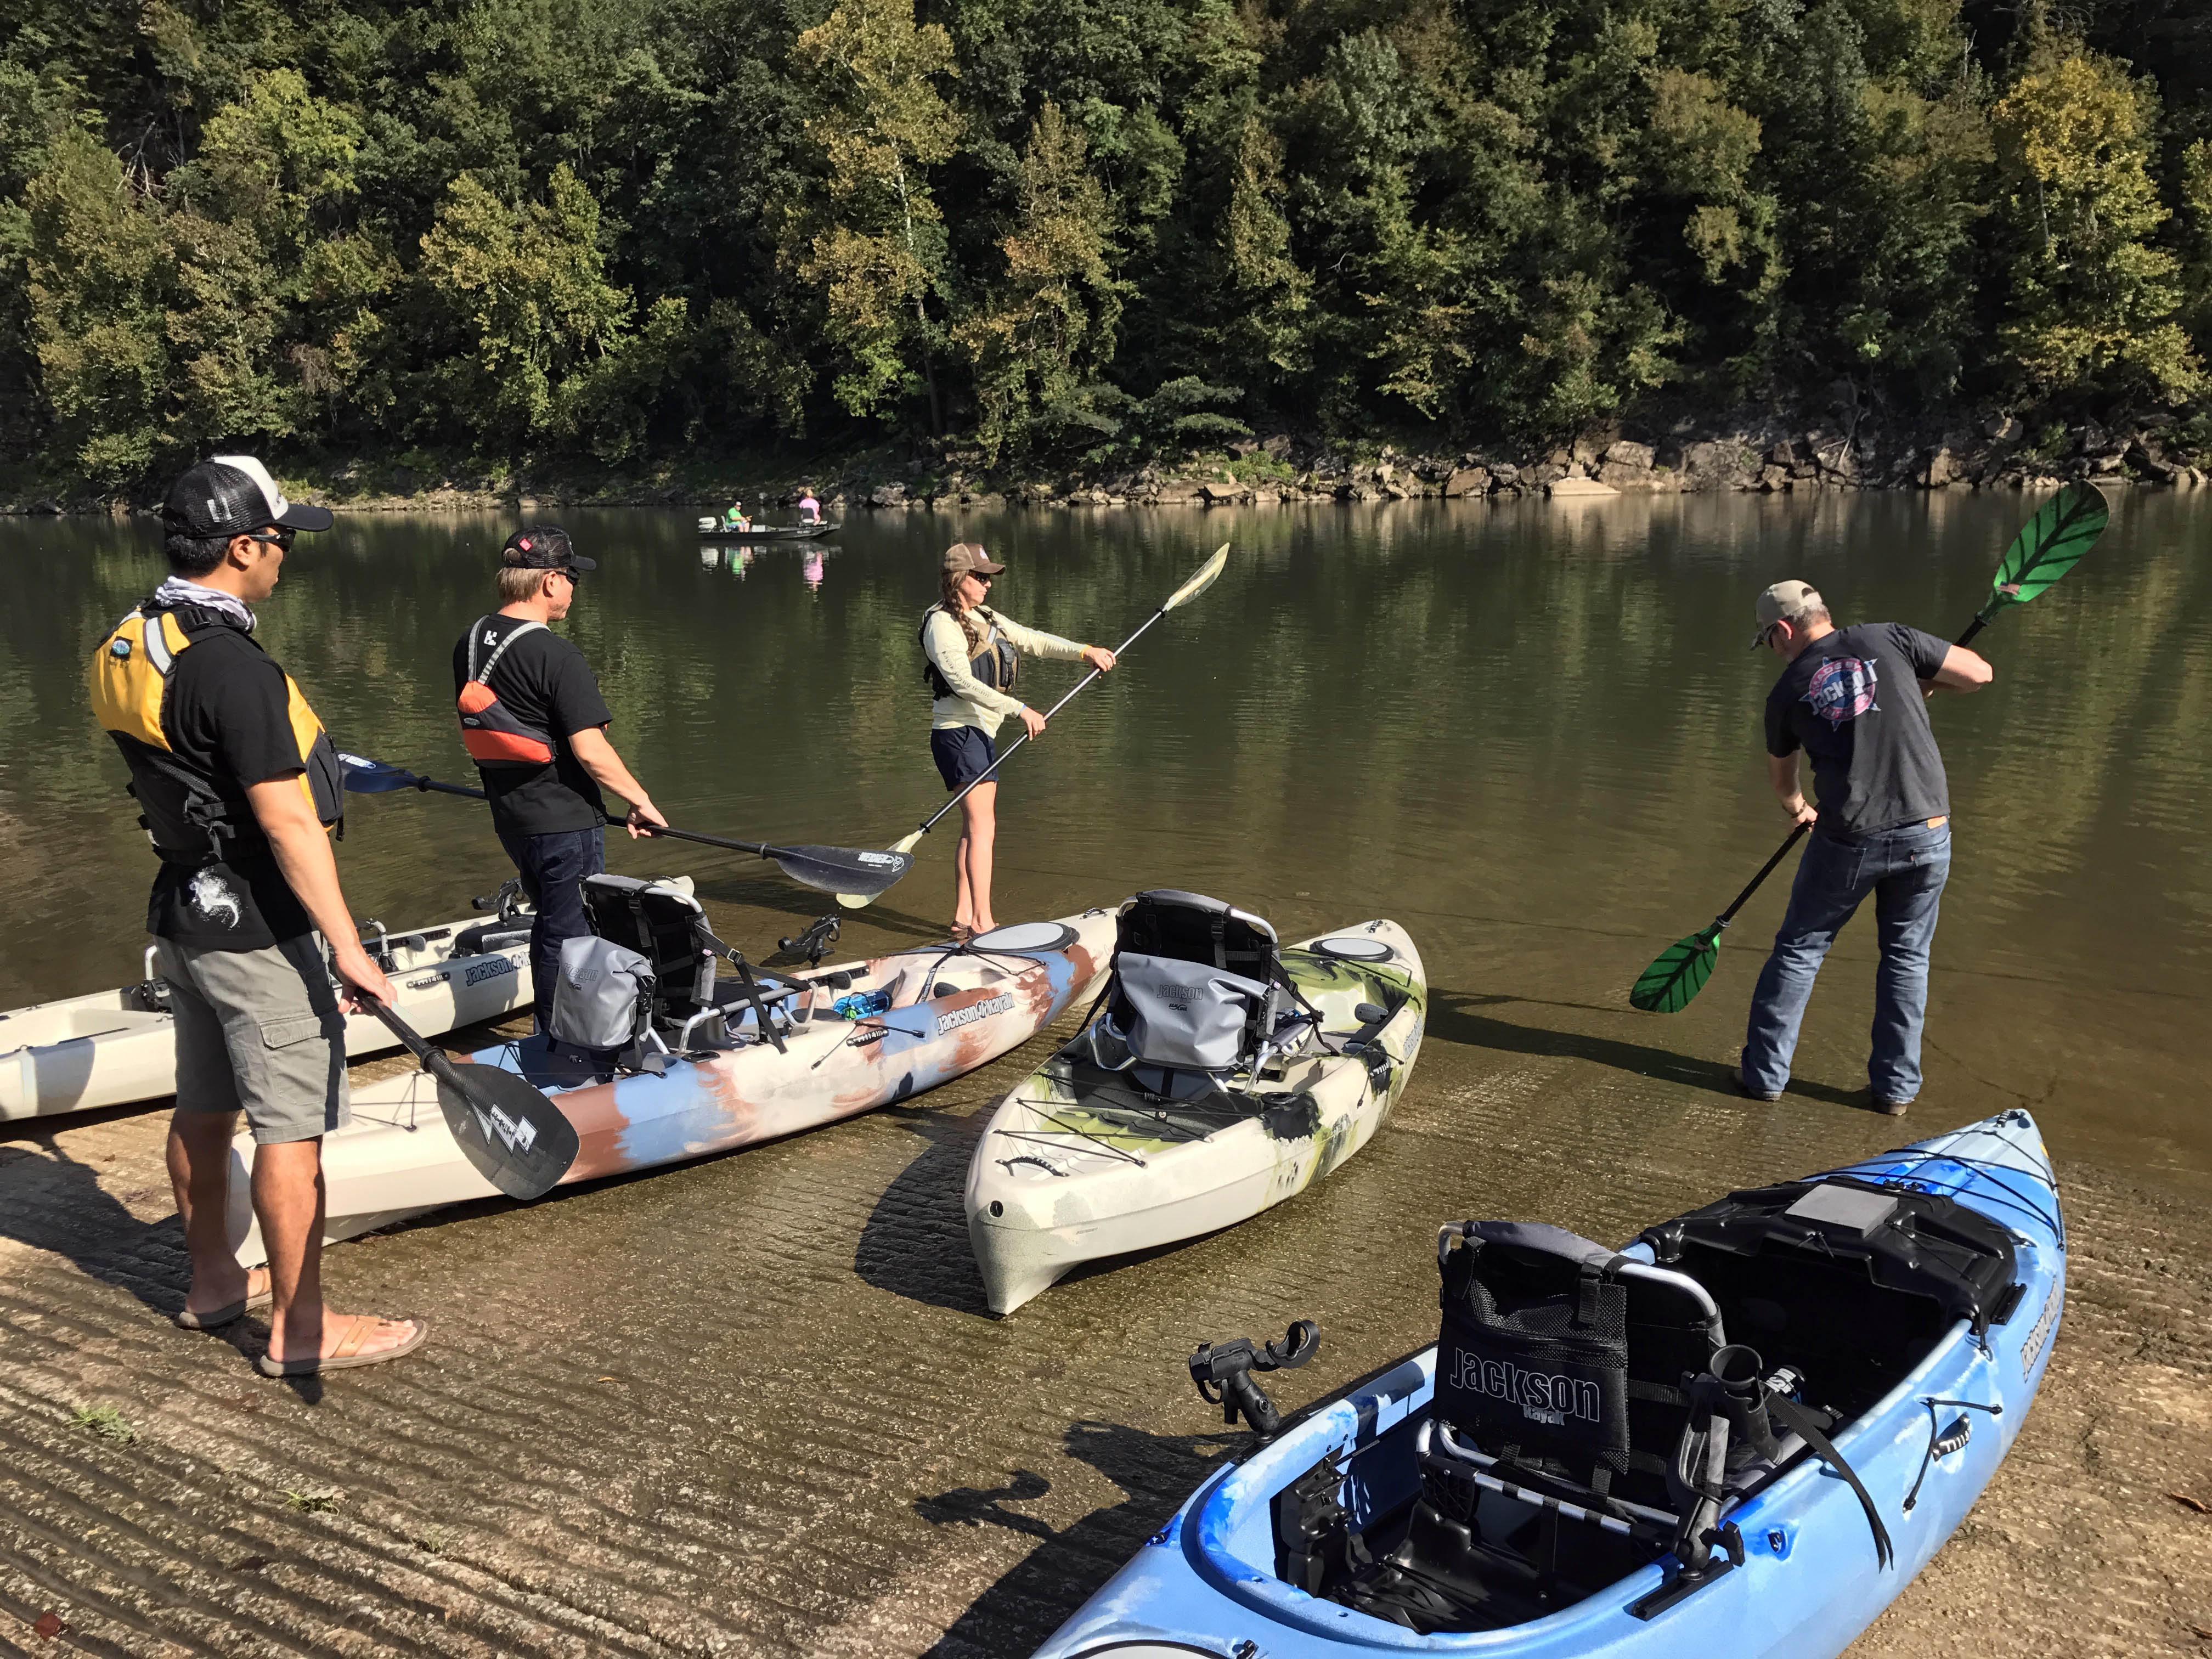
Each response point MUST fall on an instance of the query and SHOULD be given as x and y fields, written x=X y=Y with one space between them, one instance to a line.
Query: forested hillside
x=612 y=230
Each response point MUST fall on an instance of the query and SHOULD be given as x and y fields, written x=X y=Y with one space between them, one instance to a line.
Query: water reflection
x=1531 y=733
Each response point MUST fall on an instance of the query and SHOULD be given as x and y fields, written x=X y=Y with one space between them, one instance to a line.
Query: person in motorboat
x=810 y=510
x=971 y=664
x=533 y=720
x=735 y=518
x=238 y=786
x=1852 y=699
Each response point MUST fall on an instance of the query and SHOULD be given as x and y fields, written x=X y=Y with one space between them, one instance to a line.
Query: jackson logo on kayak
x=489 y=968
x=1842 y=688
x=517 y=1134
x=2032 y=1350
x=974 y=1011
x=1543 y=1396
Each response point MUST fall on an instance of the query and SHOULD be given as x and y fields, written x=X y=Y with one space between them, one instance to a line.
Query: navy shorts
x=963 y=754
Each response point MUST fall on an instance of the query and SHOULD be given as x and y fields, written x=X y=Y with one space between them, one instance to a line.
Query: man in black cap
x=238 y=785
x=533 y=720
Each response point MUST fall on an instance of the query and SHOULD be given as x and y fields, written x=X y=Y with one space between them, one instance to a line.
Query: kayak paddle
x=838 y=869
x=1204 y=578
x=517 y=1139
x=2049 y=545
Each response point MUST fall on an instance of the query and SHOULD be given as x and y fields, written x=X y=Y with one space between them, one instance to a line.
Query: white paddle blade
x=905 y=843
x=1204 y=579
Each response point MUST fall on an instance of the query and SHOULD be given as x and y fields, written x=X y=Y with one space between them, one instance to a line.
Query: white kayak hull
x=1060 y=1179
x=113 y=1047
x=396 y=1159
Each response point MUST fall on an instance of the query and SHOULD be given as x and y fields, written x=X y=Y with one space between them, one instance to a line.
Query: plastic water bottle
x=862 y=1004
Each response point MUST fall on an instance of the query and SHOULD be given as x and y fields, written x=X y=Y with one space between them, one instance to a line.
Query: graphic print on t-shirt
x=212 y=898
x=1842 y=688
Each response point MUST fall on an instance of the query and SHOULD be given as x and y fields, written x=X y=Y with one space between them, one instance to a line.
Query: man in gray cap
x=1852 y=699
x=238 y=786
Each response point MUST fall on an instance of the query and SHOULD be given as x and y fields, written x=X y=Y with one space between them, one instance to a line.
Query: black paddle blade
x=364 y=776
x=517 y=1139
x=842 y=870
x=1677 y=974
x=2049 y=545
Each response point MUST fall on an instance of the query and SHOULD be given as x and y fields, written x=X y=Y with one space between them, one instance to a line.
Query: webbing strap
x=1657 y=1393
x=497 y=651
x=1797 y=1418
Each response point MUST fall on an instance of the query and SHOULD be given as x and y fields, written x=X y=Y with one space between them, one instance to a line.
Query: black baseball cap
x=234 y=496
x=544 y=547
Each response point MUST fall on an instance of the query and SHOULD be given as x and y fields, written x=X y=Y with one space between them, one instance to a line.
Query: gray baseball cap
x=1784 y=602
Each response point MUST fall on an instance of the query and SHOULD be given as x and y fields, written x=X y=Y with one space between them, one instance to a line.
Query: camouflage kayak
x=925 y=1016
x=1090 y=1156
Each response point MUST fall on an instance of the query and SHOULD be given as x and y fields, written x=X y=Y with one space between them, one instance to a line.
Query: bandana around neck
x=177 y=591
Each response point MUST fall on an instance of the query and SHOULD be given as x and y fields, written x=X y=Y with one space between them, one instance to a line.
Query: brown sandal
x=215 y=1318
x=349 y=1352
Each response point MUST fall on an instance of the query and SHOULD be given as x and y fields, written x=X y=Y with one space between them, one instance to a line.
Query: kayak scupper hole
x=997 y=1207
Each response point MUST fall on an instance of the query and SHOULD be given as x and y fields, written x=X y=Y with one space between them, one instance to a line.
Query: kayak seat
x=691 y=985
x=1198 y=984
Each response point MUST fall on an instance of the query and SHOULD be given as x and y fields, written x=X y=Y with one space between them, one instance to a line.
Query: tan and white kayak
x=933 y=1013
x=112 y=1048
x=1088 y=1157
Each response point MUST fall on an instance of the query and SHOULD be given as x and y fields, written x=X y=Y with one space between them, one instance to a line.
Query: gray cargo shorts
x=258 y=1031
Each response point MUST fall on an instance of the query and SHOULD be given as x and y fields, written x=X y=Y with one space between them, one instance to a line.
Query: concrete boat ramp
x=755 y=1406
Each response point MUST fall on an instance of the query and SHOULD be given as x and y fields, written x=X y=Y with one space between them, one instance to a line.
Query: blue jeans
x=553 y=868
x=1905 y=869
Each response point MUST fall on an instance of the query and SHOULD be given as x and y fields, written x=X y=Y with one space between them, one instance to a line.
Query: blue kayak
x=1862 y=1349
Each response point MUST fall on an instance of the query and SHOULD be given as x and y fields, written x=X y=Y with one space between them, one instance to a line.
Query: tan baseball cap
x=1784 y=602
x=964 y=556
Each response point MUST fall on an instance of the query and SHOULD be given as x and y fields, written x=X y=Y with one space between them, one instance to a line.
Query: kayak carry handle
x=1222 y=1372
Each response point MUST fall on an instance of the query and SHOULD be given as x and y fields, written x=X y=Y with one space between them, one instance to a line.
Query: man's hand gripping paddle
x=2048 y=546
x=855 y=898
x=515 y=1137
x=830 y=869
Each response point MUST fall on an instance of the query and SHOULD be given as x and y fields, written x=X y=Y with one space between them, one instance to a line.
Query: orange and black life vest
x=489 y=730
x=184 y=810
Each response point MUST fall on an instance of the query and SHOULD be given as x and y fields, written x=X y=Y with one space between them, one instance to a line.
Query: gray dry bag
x=603 y=994
x=1187 y=1014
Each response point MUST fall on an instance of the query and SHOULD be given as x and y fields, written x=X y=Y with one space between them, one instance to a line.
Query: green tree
x=2092 y=302
x=1047 y=326
x=525 y=285
x=99 y=268
x=873 y=246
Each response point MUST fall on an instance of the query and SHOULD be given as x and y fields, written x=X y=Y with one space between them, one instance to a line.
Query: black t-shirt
x=227 y=712
x=1852 y=701
x=543 y=682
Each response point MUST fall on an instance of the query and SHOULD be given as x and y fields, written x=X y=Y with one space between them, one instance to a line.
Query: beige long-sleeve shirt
x=973 y=703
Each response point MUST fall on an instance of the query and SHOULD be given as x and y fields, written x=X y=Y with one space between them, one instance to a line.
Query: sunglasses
x=280 y=537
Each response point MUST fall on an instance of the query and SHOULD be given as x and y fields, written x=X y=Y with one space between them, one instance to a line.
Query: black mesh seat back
x=1191 y=927
x=659 y=923
x=1532 y=1360
x=1671 y=1339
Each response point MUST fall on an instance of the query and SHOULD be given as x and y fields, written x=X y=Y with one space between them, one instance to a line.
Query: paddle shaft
x=761 y=847
x=435 y=1059
x=930 y=823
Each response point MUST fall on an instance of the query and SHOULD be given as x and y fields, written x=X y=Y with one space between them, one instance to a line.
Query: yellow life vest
x=185 y=813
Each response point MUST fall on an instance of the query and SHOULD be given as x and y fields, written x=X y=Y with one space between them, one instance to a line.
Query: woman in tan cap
x=972 y=661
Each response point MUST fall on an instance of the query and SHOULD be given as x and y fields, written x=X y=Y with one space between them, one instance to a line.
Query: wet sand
x=755 y=1405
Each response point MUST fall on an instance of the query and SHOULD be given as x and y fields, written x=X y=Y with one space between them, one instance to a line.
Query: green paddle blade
x=2049 y=545
x=1678 y=972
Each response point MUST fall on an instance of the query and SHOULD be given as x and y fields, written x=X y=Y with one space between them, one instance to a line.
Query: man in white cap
x=1852 y=699
x=238 y=786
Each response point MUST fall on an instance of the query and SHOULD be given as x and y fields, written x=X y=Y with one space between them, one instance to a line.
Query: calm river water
x=1530 y=732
